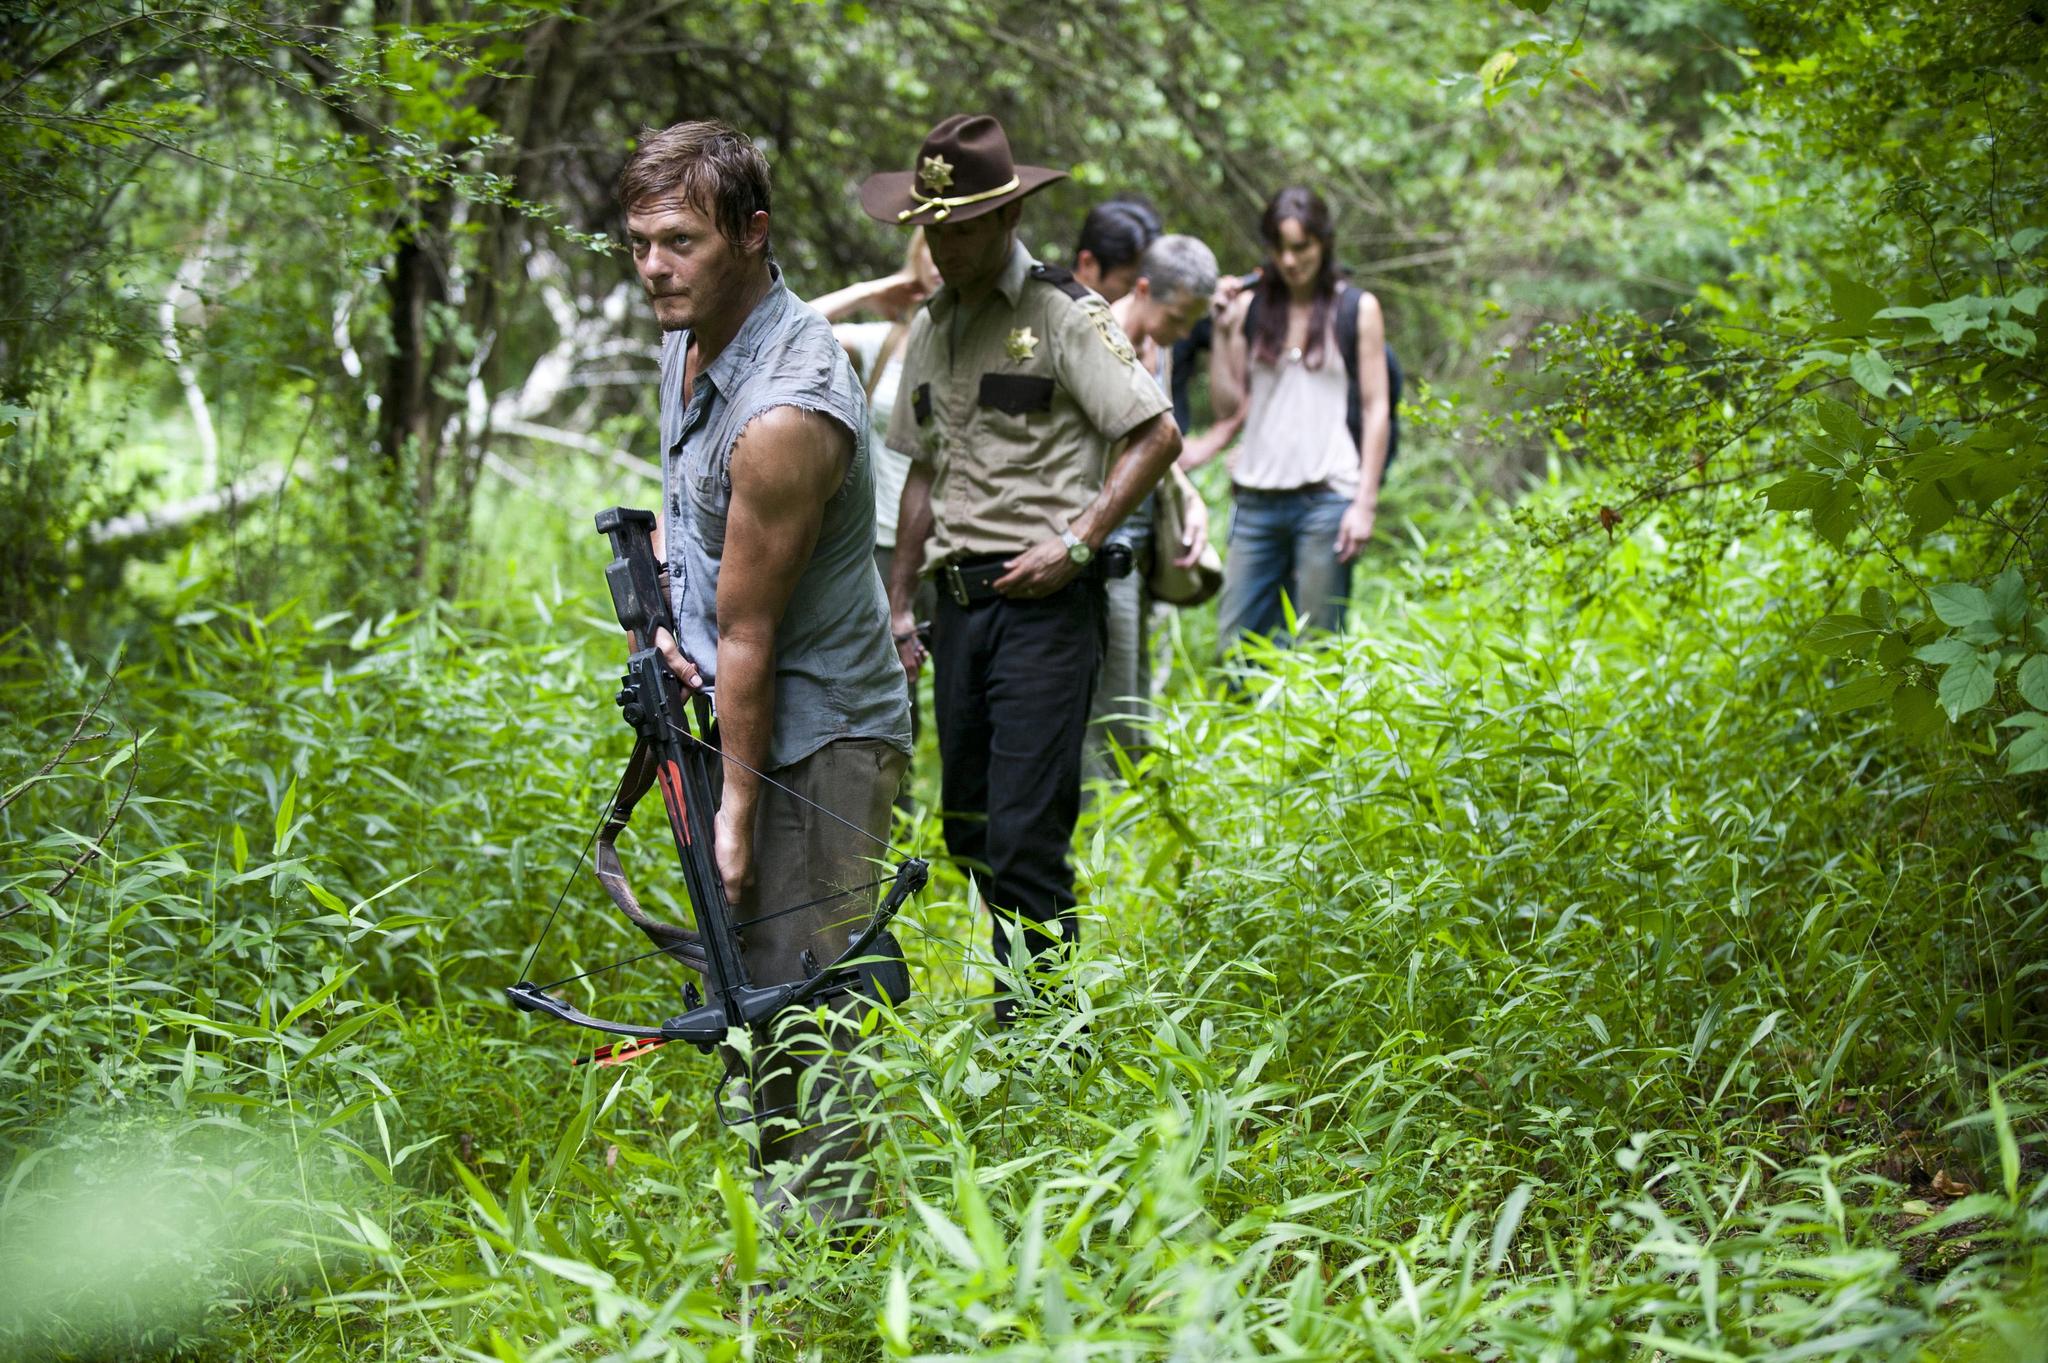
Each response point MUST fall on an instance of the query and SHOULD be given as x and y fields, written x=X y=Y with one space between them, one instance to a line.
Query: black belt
x=970 y=581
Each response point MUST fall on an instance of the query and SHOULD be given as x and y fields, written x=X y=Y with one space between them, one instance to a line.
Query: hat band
x=946 y=206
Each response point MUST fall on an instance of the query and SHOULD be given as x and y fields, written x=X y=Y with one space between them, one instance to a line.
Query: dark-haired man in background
x=1113 y=237
x=769 y=526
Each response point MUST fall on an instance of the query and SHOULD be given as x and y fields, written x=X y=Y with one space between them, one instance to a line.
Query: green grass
x=1541 y=972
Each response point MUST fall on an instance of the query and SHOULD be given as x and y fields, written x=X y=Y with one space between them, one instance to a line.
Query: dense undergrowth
x=1541 y=973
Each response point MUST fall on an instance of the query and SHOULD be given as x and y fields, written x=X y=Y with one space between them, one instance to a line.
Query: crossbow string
x=676 y=749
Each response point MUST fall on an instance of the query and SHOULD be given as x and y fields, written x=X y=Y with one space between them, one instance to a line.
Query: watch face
x=1079 y=552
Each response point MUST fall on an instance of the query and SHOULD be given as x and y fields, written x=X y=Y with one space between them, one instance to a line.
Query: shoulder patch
x=1112 y=335
x=1061 y=279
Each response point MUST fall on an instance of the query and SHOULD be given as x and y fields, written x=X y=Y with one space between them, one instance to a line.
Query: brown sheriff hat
x=963 y=171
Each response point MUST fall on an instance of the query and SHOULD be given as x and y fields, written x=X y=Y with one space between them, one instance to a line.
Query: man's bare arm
x=785 y=468
x=1136 y=472
x=913 y=528
x=1044 y=568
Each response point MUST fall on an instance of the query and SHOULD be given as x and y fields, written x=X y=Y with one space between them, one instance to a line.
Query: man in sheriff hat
x=1018 y=388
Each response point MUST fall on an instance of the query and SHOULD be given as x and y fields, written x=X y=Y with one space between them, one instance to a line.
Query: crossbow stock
x=676 y=747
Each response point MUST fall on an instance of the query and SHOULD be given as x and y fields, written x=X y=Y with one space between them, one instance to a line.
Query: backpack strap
x=1347 y=346
x=1062 y=279
x=1348 y=296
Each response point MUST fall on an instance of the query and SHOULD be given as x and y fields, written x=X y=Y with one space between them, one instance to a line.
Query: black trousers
x=1012 y=682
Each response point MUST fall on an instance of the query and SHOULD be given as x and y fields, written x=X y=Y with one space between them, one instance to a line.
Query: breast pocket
x=1014 y=409
x=1016 y=394
x=709 y=499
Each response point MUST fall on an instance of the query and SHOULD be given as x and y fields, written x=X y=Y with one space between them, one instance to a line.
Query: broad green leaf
x=1945 y=652
x=1824 y=454
x=1930 y=507
x=316 y=998
x=1956 y=318
x=1834 y=635
x=981 y=1225
x=1916 y=711
x=2008 y=600
x=1967 y=686
x=2028 y=751
x=1839 y=512
x=2008 y=1149
x=2033 y=681
x=325 y=898
x=1960 y=604
x=1799 y=491
x=340 y=1033
x=2012 y=338
x=1839 y=420
x=1871 y=371
x=1865 y=690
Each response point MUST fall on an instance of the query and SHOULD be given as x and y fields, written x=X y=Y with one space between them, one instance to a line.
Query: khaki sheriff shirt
x=1016 y=416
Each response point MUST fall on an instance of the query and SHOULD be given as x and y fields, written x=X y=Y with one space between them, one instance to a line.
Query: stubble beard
x=715 y=292
x=672 y=312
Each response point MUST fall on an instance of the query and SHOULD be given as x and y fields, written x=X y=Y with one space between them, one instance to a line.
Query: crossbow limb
x=676 y=749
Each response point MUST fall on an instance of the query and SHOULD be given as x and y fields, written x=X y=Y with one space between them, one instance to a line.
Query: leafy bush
x=1539 y=972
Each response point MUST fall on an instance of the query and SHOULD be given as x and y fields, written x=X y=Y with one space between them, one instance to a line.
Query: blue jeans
x=1283 y=542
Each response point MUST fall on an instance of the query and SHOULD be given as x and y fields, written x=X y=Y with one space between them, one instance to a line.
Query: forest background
x=1626 y=944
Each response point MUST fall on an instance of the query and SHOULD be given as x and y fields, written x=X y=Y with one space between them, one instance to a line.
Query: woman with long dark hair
x=1284 y=373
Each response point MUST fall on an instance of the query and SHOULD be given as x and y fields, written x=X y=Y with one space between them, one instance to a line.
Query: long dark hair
x=1269 y=331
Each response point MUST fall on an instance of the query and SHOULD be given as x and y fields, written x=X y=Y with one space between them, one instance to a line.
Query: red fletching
x=619 y=1052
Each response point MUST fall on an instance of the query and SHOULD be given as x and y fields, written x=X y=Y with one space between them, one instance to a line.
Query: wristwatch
x=1078 y=552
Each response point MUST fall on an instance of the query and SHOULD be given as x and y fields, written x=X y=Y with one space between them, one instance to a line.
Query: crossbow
x=676 y=748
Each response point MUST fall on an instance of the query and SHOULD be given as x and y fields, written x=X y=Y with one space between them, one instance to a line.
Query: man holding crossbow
x=768 y=524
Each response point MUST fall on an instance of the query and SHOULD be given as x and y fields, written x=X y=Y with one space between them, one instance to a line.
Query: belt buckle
x=956 y=585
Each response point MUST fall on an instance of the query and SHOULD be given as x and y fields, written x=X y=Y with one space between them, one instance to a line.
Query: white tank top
x=1295 y=433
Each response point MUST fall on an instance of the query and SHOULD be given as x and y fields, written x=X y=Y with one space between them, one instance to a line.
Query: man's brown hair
x=717 y=170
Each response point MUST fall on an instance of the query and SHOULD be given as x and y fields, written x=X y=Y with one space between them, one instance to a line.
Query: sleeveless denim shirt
x=836 y=672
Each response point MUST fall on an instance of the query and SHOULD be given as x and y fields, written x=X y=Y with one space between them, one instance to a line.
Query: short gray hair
x=1178 y=268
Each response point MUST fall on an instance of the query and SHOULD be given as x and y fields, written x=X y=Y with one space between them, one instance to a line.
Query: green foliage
x=1621 y=946
x=371 y=220
x=1871 y=365
x=1537 y=974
